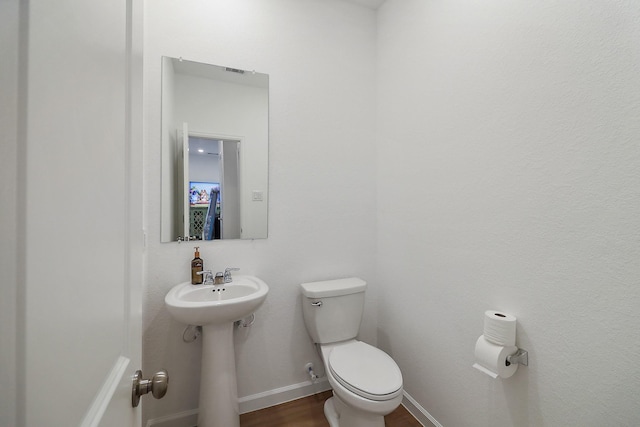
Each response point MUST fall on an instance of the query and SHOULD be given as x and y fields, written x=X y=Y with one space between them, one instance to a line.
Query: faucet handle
x=227 y=274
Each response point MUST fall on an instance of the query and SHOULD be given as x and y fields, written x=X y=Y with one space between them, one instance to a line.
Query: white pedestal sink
x=216 y=307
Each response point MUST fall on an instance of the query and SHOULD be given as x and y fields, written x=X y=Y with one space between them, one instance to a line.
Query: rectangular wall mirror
x=215 y=149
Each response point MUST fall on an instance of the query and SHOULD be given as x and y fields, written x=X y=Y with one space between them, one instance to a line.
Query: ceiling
x=216 y=72
x=373 y=4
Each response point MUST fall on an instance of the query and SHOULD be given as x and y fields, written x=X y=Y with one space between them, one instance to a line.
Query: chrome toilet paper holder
x=519 y=357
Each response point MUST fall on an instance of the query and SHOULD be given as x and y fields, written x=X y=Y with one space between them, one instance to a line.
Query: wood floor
x=309 y=412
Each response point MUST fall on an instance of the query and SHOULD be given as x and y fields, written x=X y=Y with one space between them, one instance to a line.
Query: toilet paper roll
x=491 y=358
x=500 y=328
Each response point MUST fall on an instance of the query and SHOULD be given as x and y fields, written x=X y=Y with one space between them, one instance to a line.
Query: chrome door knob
x=157 y=385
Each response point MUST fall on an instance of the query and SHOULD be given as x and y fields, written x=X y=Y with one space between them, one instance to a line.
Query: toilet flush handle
x=317 y=303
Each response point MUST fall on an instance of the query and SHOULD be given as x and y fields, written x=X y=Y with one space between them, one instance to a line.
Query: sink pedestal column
x=218 y=383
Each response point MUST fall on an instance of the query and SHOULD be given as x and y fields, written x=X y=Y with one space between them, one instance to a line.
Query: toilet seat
x=366 y=371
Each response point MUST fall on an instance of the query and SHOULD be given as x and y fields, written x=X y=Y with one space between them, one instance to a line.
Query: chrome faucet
x=227 y=274
x=219 y=279
x=208 y=277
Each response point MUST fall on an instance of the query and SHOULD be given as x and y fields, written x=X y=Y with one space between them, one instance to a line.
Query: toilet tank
x=332 y=309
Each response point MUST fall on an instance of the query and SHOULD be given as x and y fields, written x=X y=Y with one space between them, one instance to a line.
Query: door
x=79 y=183
x=231 y=189
x=183 y=215
x=223 y=191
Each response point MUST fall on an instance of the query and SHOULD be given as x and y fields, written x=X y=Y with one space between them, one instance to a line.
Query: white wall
x=320 y=57
x=508 y=177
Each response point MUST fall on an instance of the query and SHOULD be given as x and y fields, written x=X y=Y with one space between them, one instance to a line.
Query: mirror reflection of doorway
x=214 y=187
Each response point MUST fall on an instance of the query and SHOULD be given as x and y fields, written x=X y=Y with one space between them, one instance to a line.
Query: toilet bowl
x=366 y=382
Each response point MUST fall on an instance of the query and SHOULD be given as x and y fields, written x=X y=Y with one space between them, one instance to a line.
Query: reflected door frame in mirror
x=214 y=165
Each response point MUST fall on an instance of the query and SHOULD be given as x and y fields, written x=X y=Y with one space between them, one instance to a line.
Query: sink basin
x=216 y=304
x=215 y=308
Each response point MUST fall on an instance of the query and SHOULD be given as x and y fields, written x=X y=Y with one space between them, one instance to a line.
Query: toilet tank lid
x=333 y=288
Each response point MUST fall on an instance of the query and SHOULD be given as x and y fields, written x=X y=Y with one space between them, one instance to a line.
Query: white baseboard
x=281 y=395
x=420 y=414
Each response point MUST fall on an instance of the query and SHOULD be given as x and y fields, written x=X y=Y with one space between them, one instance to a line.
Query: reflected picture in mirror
x=204 y=210
x=214 y=152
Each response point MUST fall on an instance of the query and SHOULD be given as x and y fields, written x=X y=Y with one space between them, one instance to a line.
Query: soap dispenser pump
x=196 y=267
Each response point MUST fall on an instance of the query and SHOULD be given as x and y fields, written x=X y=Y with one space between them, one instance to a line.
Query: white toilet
x=366 y=382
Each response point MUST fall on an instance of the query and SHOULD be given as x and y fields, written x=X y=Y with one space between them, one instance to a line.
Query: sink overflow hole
x=218 y=290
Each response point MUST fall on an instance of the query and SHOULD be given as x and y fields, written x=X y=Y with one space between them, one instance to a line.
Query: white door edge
x=105 y=394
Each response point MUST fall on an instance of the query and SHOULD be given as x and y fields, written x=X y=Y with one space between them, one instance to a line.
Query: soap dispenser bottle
x=196 y=267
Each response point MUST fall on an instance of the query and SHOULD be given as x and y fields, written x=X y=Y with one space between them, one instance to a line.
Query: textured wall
x=508 y=177
x=320 y=57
